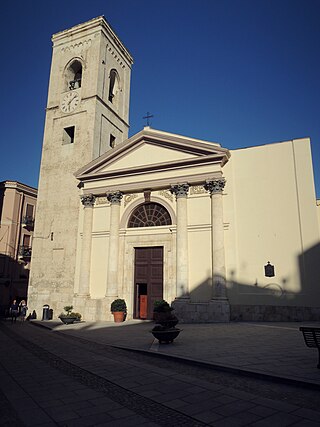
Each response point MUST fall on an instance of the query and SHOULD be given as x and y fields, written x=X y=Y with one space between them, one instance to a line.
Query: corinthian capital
x=88 y=200
x=114 y=197
x=215 y=186
x=180 y=190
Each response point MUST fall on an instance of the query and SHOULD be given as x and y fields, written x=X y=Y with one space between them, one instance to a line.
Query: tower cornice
x=94 y=24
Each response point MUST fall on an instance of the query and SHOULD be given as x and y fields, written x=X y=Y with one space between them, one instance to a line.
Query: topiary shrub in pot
x=164 y=330
x=162 y=314
x=119 y=310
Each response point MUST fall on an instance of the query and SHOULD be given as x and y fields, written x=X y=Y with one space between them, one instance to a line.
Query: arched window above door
x=149 y=215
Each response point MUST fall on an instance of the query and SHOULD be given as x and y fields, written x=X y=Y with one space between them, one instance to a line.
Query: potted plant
x=164 y=330
x=119 y=310
x=162 y=314
x=69 y=317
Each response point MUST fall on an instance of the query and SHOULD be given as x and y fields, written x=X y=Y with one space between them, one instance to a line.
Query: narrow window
x=26 y=241
x=29 y=211
x=113 y=87
x=112 y=141
x=27 y=219
x=2 y=265
x=68 y=135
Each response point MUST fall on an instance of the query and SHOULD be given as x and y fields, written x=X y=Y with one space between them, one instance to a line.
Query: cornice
x=94 y=25
x=154 y=167
x=155 y=185
x=15 y=185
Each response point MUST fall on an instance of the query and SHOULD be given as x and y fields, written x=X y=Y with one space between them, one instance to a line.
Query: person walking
x=14 y=311
x=23 y=310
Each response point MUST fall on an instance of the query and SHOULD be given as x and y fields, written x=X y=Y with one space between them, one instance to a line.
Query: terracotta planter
x=118 y=316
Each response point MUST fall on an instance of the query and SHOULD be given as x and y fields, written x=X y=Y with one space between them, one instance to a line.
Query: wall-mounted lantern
x=269 y=270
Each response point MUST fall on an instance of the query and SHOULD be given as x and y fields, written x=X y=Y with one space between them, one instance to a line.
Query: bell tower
x=87 y=114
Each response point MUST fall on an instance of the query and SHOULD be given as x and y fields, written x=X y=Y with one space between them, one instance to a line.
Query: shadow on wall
x=274 y=300
x=309 y=268
x=13 y=282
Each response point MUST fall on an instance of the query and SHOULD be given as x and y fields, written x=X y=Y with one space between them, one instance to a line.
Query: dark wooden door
x=148 y=277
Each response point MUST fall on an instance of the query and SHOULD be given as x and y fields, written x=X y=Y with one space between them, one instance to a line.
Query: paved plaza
x=105 y=387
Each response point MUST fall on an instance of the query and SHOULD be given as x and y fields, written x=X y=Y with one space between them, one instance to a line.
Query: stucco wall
x=270 y=204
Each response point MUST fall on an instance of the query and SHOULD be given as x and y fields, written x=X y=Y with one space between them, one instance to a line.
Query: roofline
x=153 y=136
x=94 y=23
x=19 y=186
x=176 y=135
x=272 y=143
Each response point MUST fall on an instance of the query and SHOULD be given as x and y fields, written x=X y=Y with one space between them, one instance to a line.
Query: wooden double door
x=148 y=280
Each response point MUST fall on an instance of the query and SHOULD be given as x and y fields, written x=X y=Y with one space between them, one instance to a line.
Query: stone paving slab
x=71 y=365
x=273 y=348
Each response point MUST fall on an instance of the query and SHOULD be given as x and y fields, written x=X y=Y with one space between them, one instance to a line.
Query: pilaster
x=215 y=188
x=84 y=282
x=182 y=258
x=112 y=279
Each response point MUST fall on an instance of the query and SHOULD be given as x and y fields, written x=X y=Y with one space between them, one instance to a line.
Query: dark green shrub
x=118 y=305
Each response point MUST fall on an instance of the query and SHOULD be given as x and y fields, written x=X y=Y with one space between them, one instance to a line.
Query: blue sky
x=237 y=72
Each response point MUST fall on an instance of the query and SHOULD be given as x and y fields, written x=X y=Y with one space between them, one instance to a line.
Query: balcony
x=28 y=222
x=24 y=252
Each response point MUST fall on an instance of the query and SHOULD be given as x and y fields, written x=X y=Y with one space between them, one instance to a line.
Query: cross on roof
x=148 y=116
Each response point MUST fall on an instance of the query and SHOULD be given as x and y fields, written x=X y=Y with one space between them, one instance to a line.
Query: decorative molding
x=102 y=200
x=197 y=189
x=77 y=47
x=166 y=194
x=128 y=198
x=118 y=58
x=115 y=197
x=180 y=190
x=215 y=186
x=88 y=200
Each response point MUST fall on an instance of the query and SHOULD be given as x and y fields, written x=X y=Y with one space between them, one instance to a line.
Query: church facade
x=221 y=234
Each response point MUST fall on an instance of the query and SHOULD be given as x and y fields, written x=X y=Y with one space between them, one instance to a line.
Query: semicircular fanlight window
x=149 y=215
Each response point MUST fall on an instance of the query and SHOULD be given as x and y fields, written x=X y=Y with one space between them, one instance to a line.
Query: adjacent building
x=17 y=214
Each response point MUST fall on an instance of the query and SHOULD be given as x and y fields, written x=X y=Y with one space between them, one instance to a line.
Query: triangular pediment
x=152 y=149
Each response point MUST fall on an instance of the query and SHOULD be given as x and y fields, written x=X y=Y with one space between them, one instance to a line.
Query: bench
x=311 y=337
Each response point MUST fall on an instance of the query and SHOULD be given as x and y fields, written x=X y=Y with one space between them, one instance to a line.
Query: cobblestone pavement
x=51 y=378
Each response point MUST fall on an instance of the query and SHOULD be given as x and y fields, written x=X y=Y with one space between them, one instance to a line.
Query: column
x=182 y=261
x=113 y=261
x=84 y=281
x=215 y=187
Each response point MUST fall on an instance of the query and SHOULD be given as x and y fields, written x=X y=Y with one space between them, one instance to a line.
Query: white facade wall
x=270 y=205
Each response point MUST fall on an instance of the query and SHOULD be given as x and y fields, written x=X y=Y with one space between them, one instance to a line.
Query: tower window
x=74 y=75
x=113 y=87
x=112 y=141
x=68 y=135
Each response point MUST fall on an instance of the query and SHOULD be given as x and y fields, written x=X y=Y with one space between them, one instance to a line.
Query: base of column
x=213 y=311
x=220 y=307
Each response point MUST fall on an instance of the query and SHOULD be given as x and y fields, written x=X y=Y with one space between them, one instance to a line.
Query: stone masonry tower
x=86 y=115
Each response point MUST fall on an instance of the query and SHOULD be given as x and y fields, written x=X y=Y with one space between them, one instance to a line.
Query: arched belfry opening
x=74 y=75
x=149 y=214
x=114 y=87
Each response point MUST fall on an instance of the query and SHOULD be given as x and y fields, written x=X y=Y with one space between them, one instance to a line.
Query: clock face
x=70 y=102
